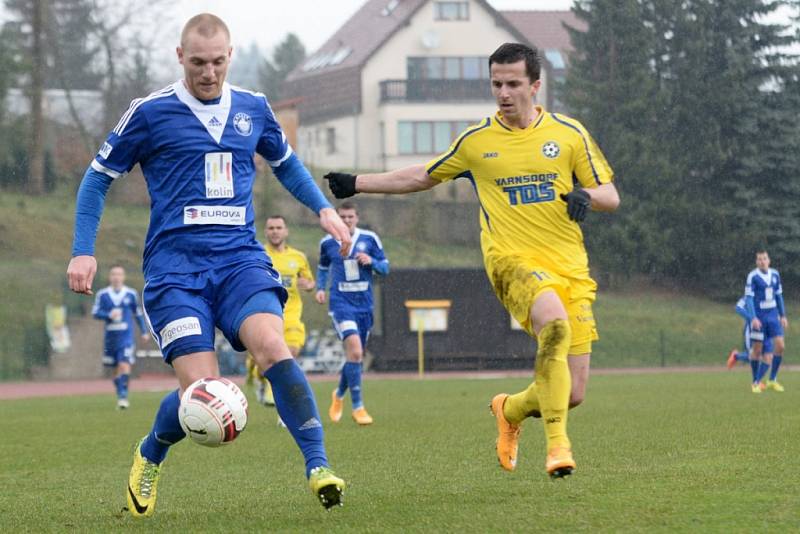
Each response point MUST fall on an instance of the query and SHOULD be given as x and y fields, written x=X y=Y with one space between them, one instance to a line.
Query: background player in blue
x=195 y=141
x=350 y=304
x=747 y=343
x=118 y=306
x=764 y=302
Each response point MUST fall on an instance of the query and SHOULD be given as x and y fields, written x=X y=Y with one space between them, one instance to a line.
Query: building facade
x=399 y=80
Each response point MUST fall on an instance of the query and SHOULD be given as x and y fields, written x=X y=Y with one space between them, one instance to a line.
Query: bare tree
x=36 y=150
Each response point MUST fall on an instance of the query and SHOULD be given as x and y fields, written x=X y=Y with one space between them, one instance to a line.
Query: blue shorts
x=770 y=328
x=347 y=322
x=184 y=309
x=113 y=356
x=748 y=341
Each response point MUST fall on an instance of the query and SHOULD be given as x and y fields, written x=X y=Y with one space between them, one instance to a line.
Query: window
x=405 y=138
x=452 y=68
x=427 y=137
x=451 y=11
x=447 y=68
x=442 y=135
x=433 y=68
x=330 y=140
x=424 y=132
x=472 y=68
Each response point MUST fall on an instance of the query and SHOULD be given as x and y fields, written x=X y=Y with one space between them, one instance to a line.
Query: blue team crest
x=243 y=124
x=551 y=149
x=361 y=246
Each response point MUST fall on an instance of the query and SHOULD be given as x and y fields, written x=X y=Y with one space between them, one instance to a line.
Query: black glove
x=341 y=184
x=578 y=202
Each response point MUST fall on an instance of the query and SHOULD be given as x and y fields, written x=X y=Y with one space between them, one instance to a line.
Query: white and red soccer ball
x=213 y=411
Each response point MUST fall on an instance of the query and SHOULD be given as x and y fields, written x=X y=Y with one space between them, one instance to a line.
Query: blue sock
x=742 y=356
x=298 y=410
x=776 y=364
x=763 y=367
x=118 y=386
x=353 y=372
x=754 y=368
x=166 y=430
x=342 y=389
x=122 y=391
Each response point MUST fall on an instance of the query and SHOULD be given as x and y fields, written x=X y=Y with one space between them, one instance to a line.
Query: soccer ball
x=213 y=411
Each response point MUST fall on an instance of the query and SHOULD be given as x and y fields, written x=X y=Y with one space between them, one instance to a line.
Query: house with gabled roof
x=398 y=81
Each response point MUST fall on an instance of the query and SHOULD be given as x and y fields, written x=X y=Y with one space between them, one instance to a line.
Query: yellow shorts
x=295 y=333
x=517 y=281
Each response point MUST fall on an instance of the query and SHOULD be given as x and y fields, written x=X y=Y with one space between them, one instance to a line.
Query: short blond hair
x=206 y=25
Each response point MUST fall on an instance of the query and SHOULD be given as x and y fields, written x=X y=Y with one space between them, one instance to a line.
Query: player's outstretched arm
x=604 y=197
x=400 y=181
x=88 y=211
x=601 y=198
x=330 y=221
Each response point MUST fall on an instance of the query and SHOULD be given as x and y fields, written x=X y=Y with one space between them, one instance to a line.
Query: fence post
x=663 y=347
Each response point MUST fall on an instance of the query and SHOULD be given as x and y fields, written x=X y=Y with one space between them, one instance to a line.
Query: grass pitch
x=656 y=453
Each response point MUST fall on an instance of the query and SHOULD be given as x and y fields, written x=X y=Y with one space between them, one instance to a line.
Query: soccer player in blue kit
x=118 y=306
x=350 y=304
x=747 y=343
x=764 y=303
x=195 y=141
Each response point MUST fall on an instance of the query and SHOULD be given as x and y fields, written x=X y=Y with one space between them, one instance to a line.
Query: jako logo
x=551 y=420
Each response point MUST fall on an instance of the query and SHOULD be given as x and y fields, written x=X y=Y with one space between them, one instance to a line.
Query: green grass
x=650 y=328
x=656 y=453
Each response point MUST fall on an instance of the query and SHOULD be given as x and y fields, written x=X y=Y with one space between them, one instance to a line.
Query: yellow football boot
x=142 y=484
x=775 y=386
x=361 y=416
x=507 y=443
x=337 y=405
x=731 y=359
x=559 y=462
x=326 y=486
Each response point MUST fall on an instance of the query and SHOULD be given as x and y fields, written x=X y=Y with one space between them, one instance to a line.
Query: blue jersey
x=197 y=159
x=351 y=282
x=124 y=306
x=766 y=293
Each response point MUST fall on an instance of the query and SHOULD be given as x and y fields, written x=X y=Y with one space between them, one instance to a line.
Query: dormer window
x=391 y=6
x=451 y=10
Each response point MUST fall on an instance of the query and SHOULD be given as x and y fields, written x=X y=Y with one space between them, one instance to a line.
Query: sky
x=267 y=22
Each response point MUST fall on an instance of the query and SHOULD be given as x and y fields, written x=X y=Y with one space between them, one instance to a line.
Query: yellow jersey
x=291 y=263
x=519 y=176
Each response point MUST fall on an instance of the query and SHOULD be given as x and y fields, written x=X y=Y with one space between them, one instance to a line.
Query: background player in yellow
x=522 y=163
x=296 y=274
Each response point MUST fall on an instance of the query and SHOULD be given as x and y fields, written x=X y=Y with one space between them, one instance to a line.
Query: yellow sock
x=522 y=405
x=268 y=391
x=252 y=369
x=553 y=381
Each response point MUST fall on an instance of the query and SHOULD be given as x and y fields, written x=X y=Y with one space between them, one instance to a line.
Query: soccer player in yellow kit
x=522 y=163
x=296 y=274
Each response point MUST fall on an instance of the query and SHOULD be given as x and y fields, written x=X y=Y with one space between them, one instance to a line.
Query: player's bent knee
x=554 y=333
x=268 y=349
x=575 y=399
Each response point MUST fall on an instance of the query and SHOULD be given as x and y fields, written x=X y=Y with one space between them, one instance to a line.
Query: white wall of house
x=370 y=140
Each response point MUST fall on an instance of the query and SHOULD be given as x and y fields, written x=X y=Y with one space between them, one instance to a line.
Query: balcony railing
x=434 y=90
